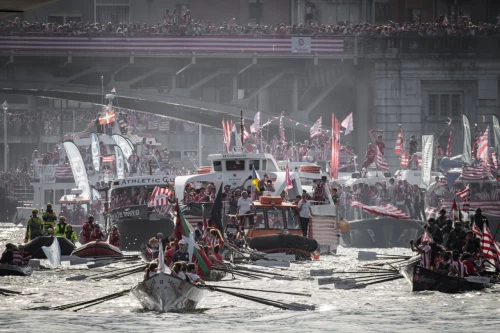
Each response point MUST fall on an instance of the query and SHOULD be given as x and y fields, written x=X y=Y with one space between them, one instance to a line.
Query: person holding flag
x=425 y=251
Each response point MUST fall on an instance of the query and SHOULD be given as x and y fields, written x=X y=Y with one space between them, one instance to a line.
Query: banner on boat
x=125 y=145
x=120 y=163
x=496 y=131
x=78 y=168
x=427 y=155
x=129 y=212
x=96 y=151
x=382 y=210
x=467 y=149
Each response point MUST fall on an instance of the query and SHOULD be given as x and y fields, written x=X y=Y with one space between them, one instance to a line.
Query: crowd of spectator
x=175 y=23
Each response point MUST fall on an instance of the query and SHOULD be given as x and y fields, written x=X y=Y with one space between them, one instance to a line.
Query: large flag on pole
x=288 y=179
x=107 y=118
x=282 y=130
x=348 y=124
x=335 y=158
x=400 y=143
x=489 y=247
x=467 y=147
x=216 y=212
x=465 y=196
x=185 y=231
x=316 y=128
x=483 y=145
x=255 y=127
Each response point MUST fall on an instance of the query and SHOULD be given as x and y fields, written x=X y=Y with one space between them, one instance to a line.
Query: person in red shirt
x=380 y=144
x=87 y=228
x=96 y=234
x=470 y=268
x=169 y=254
x=216 y=253
x=370 y=156
x=114 y=237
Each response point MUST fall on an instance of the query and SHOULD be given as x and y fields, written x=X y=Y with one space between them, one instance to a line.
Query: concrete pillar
x=264 y=100
x=363 y=113
x=300 y=14
x=293 y=12
x=295 y=94
x=373 y=12
x=174 y=82
x=235 y=87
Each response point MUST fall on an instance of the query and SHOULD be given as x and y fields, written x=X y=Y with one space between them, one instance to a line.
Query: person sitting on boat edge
x=8 y=254
x=60 y=229
x=177 y=270
x=457 y=268
x=181 y=254
x=468 y=260
x=88 y=227
x=443 y=266
x=34 y=227
x=191 y=274
x=97 y=234
x=152 y=248
x=151 y=269
x=471 y=243
x=49 y=218
x=70 y=234
x=114 y=237
x=21 y=258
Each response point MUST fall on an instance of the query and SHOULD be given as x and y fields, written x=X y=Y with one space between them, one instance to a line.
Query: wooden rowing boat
x=421 y=279
x=96 y=250
x=215 y=275
x=163 y=293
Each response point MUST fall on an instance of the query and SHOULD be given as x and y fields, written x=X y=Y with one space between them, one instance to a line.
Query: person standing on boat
x=305 y=213
x=49 y=218
x=34 y=227
x=456 y=239
x=97 y=235
x=424 y=250
x=60 y=229
x=114 y=237
x=181 y=254
x=370 y=155
x=245 y=205
x=70 y=234
x=87 y=228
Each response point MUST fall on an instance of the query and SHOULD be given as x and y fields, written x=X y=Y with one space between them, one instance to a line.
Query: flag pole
x=200 y=135
x=241 y=127
x=260 y=125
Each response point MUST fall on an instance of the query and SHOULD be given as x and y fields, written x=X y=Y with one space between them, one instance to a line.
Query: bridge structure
x=414 y=81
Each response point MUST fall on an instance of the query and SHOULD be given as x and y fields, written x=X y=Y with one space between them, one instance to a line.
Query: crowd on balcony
x=175 y=23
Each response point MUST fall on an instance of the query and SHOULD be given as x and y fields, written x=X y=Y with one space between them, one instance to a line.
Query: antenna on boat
x=242 y=127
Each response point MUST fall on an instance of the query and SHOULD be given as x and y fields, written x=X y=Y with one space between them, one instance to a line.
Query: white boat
x=163 y=292
x=235 y=169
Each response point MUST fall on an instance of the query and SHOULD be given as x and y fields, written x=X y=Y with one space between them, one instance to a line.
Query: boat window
x=48 y=196
x=292 y=219
x=264 y=165
x=275 y=218
x=255 y=163
x=260 y=222
x=217 y=166
x=236 y=165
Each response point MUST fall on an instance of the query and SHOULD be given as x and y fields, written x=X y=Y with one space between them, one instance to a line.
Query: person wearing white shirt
x=245 y=205
x=305 y=212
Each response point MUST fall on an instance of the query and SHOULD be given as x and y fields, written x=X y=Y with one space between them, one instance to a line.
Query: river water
x=387 y=307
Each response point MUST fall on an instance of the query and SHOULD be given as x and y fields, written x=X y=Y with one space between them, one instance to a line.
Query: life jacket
x=35 y=227
x=114 y=239
x=18 y=257
x=49 y=220
x=71 y=236
x=87 y=231
x=60 y=229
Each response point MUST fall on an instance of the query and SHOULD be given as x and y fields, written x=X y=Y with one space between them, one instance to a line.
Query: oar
x=363 y=272
x=263 y=272
x=7 y=291
x=83 y=276
x=376 y=282
x=275 y=304
x=261 y=290
x=367 y=255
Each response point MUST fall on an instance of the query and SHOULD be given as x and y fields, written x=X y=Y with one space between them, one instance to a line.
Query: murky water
x=388 y=307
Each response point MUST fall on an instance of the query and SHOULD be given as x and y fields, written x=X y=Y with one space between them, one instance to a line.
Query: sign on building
x=301 y=44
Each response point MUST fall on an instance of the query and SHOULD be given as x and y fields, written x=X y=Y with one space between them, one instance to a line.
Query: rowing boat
x=97 y=249
x=15 y=270
x=163 y=293
x=421 y=279
x=215 y=275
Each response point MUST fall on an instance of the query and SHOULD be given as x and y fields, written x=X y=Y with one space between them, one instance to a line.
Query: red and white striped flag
x=426 y=237
x=482 y=151
x=224 y=134
x=465 y=196
x=164 y=126
x=381 y=162
x=335 y=158
x=316 y=128
x=477 y=231
x=404 y=160
x=282 y=130
x=152 y=125
x=400 y=143
x=288 y=180
x=448 y=146
x=159 y=197
x=489 y=246
x=245 y=133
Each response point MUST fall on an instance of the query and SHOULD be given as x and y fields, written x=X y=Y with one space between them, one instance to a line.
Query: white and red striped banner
x=282 y=130
x=166 y=44
x=164 y=126
x=489 y=246
x=474 y=173
x=489 y=208
x=316 y=128
x=381 y=162
x=108 y=159
x=400 y=144
x=382 y=210
x=159 y=197
x=64 y=172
